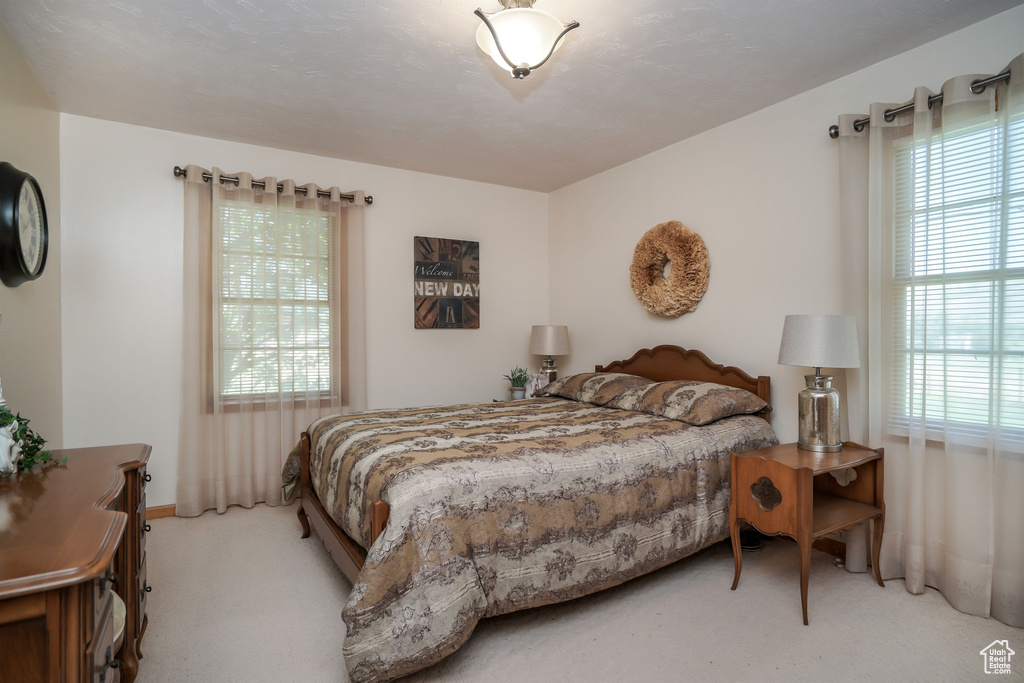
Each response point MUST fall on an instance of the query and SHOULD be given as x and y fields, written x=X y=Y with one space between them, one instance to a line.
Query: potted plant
x=20 y=447
x=517 y=378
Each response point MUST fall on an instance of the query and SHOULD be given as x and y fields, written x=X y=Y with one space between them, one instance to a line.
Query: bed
x=442 y=516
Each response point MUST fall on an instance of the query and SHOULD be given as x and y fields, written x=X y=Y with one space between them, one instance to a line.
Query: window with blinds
x=957 y=289
x=274 y=316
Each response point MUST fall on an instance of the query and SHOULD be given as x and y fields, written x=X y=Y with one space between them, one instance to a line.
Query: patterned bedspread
x=504 y=506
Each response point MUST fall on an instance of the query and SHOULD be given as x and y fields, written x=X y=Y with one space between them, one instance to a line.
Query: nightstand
x=806 y=495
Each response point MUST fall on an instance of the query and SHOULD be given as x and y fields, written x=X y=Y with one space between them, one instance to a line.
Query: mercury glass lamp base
x=819 y=416
x=819 y=448
x=548 y=368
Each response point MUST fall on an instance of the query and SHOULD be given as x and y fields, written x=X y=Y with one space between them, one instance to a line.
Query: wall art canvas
x=446 y=281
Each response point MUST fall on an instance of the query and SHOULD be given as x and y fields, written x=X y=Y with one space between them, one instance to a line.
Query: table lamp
x=818 y=341
x=549 y=340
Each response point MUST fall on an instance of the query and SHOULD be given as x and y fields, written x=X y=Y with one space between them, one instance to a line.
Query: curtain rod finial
x=179 y=172
x=833 y=131
x=368 y=199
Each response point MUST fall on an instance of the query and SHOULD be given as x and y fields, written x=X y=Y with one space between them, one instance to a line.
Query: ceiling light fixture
x=520 y=38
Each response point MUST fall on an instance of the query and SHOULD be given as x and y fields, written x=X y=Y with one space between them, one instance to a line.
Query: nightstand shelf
x=806 y=495
x=832 y=513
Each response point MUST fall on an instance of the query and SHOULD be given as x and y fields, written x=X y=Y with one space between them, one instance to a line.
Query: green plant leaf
x=518 y=376
x=32 y=451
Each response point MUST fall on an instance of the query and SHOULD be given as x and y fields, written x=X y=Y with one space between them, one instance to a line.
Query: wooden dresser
x=68 y=535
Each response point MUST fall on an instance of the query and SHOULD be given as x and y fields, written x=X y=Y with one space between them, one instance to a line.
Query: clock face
x=30 y=227
x=24 y=237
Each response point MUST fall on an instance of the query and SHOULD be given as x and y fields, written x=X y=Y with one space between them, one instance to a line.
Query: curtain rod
x=179 y=172
x=977 y=87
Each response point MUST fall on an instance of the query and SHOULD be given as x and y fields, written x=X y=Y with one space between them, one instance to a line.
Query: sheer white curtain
x=273 y=331
x=933 y=220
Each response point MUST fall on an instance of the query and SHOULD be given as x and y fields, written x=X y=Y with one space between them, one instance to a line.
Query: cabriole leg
x=737 y=553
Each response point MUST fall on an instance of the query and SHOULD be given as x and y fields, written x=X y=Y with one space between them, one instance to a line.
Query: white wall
x=122 y=233
x=763 y=191
x=30 y=331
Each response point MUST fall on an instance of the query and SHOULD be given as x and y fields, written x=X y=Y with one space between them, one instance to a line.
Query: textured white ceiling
x=402 y=83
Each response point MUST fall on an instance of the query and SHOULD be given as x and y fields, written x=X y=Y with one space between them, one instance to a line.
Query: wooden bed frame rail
x=345 y=552
x=662 y=363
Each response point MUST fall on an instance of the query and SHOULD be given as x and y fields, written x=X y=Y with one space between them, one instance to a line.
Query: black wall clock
x=24 y=236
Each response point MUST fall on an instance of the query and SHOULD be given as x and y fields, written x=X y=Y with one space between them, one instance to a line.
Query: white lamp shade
x=549 y=340
x=820 y=341
x=526 y=35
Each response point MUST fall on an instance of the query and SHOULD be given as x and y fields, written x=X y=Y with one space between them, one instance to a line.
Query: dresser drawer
x=144 y=590
x=143 y=480
x=140 y=514
x=101 y=664
x=101 y=591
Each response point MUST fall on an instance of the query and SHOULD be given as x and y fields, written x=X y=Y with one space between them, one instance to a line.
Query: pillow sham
x=597 y=388
x=696 y=403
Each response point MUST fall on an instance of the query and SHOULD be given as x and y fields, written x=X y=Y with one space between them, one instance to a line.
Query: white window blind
x=957 y=301
x=274 y=332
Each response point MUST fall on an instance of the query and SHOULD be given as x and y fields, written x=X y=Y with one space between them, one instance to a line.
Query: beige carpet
x=240 y=597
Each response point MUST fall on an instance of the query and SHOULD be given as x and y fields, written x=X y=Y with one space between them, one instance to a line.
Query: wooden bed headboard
x=667 y=362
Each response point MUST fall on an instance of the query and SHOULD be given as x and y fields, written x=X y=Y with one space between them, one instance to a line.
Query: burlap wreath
x=682 y=290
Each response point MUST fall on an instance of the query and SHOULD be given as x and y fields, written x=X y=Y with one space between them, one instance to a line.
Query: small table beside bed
x=441 y=516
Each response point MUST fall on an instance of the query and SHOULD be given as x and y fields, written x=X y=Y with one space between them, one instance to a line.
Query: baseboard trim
x=160 y=511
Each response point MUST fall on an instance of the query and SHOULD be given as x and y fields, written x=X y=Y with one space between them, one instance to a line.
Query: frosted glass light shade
x=820 y=341
x=526 y=35
x=549 y=340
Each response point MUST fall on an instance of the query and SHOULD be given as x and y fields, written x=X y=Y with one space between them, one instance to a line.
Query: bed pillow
x=696 y=403
x=597 y=388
